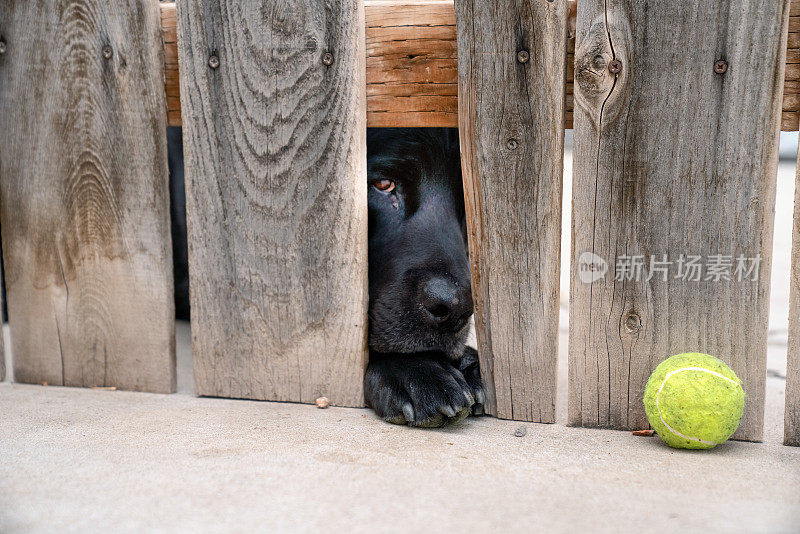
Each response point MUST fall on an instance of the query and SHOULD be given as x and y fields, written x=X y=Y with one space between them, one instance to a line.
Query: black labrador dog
x=420 y=371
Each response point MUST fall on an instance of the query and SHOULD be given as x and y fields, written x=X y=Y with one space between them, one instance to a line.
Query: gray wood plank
x=275 y=145
x=2 y=337
x=672 y=158
x=511 y=112
x=792 y=413
x=85 y=206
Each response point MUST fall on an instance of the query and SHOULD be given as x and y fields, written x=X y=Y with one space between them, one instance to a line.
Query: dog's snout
x=439 y=297
x=448 y=305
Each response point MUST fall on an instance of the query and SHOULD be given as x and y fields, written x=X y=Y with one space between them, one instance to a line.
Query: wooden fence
x=675 y=155
x=412 y=64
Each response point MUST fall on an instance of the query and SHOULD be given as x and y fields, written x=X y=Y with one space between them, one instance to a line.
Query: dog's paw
x=470 y=368
x=417 y=390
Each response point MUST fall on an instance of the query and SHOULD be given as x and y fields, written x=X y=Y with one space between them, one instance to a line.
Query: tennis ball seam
x=658 y=395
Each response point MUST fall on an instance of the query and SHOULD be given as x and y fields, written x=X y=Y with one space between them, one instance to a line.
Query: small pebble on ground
x=521 y=431
x=323 y=402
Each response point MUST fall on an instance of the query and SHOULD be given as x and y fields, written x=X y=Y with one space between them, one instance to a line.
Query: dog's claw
x=470 y=397
x=408 y=412
x=480 y=400
x=448 y=411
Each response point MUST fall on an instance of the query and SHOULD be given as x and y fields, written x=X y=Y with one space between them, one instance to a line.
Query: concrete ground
x=78 y=460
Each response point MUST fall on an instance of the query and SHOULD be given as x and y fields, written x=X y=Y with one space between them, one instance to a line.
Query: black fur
x=419 y=281
x=177 y=208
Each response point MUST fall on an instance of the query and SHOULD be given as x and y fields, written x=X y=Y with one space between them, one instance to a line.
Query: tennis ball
x=694 y=401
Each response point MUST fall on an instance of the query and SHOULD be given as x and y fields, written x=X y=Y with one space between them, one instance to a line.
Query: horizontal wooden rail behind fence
x=412 y=65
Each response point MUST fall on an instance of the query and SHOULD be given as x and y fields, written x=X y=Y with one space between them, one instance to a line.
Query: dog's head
x=419 y=281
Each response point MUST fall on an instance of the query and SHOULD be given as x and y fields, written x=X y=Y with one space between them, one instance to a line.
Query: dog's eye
x=387 y=186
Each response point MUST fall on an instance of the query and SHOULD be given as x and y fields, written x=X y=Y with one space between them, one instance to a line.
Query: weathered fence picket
x=274 y=116
x=511 y=62
x=85 y=206
x=792 y=414
x=675 y=154
x=2 y=338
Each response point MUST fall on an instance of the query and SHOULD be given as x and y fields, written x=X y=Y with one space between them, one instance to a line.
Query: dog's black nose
x=448 y=305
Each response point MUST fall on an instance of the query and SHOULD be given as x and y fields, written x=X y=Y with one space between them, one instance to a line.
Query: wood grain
x=85 y=206
x=411 y=63
x=275 y=147
x=792 y=413
x=510 y=119
x=672 y=158
x=411 y=55
x=172 y=89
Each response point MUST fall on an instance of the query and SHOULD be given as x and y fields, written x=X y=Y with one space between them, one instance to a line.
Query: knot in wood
x=512 y=144
x=599 y=62
x=601 y=85
x=633 y=322
x=592 y=79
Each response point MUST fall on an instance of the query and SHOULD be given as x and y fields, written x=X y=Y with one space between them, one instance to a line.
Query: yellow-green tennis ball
x=694 y=401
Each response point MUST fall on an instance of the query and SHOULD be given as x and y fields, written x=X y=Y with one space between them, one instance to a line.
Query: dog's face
x=419 y=281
